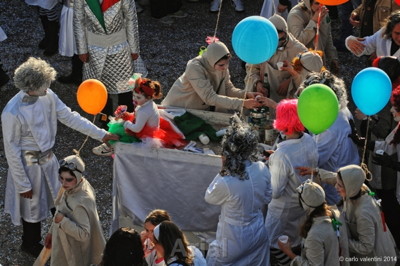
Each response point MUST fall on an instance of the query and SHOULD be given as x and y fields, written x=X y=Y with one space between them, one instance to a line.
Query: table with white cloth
x=157 y=178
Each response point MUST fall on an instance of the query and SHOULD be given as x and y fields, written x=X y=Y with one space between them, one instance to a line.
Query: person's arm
x=11 y=127
x=75 y=121
x=279 y=167
x=131 y=25
x=141 y=119
x=217 y=192
x=296 y=26
x=231 y=90
x=79 y=229
x=201 y=84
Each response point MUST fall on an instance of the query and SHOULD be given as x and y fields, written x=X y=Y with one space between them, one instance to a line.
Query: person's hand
x=283 y=87
x=58 y=217
x=251 y=103
x=287 y=249
x=359 y=115
x=27 y=195
x=135 y=56
x=120 y=111
x=261 y=89
x=354 y=19
x=109 y=137
x=323 y=10
x=303 y=170
x=385 y=160
x=84 y=57
x=355 y=45
x=281 y=8
x=47 y=241
x=289 y=68
x=253 y=95
x=265 y=101
x=335 y=67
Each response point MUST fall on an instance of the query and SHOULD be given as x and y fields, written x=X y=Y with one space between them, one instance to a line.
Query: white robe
x=285 y=214
x=33 y=127
x=241 y=235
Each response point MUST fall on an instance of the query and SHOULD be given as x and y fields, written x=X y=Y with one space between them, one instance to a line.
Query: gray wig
x=330 y=80
x=33 y=74
x=238 y=145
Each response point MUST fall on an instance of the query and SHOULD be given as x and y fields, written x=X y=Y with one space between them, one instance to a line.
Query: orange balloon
x=92 y=96
x=332 y=2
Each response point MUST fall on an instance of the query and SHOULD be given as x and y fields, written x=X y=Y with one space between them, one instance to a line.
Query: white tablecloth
x=146 y=179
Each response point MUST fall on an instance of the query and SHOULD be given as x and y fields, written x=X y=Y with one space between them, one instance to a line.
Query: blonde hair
x=33 y=74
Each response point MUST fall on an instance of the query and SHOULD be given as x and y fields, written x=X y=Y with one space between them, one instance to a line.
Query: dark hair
x=150 y=88
x=124 y=248
x=395 y=101
x=171 y=238
x=225 y=57
x=391 y=22
x=66 y=169
x=321 y=210
x=157 y=216
x=389 y=64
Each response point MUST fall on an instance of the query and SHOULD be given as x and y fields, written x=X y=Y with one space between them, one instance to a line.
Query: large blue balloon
x=371 y=90
x=255 y=39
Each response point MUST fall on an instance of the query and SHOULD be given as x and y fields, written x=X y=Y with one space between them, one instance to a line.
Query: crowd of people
x=308 y=202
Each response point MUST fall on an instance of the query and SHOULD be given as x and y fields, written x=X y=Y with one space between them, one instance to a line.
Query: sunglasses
x=70 y=165
x=68 y=180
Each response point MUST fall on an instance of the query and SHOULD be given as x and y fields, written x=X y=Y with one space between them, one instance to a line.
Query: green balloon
x=318 y=108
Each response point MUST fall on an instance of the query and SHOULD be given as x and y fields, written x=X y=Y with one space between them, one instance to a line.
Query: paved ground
x=165 y=49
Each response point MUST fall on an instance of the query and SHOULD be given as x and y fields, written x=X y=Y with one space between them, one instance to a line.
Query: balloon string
x=218 y=16
x=317 y=33
x=77 y=152
x=245 y=93
x=365 y=143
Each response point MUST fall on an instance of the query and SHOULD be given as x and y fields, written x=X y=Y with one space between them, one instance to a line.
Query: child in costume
x=146 y=122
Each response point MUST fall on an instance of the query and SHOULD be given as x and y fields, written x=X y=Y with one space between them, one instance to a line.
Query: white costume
x=29 y=130
x=376 y=43
x=284 y=211
x=146 y=114
x=66 y=42
x=336 y=149
x=241 y=235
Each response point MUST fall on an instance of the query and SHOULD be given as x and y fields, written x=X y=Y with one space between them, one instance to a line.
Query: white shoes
x=103 y=150
x=238 y=5
x=215 y=5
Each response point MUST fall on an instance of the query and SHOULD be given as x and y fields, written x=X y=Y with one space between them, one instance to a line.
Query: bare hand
x=323 y=10
x=283 y=87
x=47 y=241
x=109 y=137
x=265 y=101
x=359 y=115
x=354 y=20
x=58 y=218
x=289 y=68
x=251 y=103
x=134 y=56
x=252 y=95
x=27 y=195
x=260 y=88
x=84 y=57
x=306 y=170
x=286 y=248
x=356 y=46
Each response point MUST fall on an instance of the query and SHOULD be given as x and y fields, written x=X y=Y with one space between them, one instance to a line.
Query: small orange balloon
x=332 y=2
x=92 y=96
